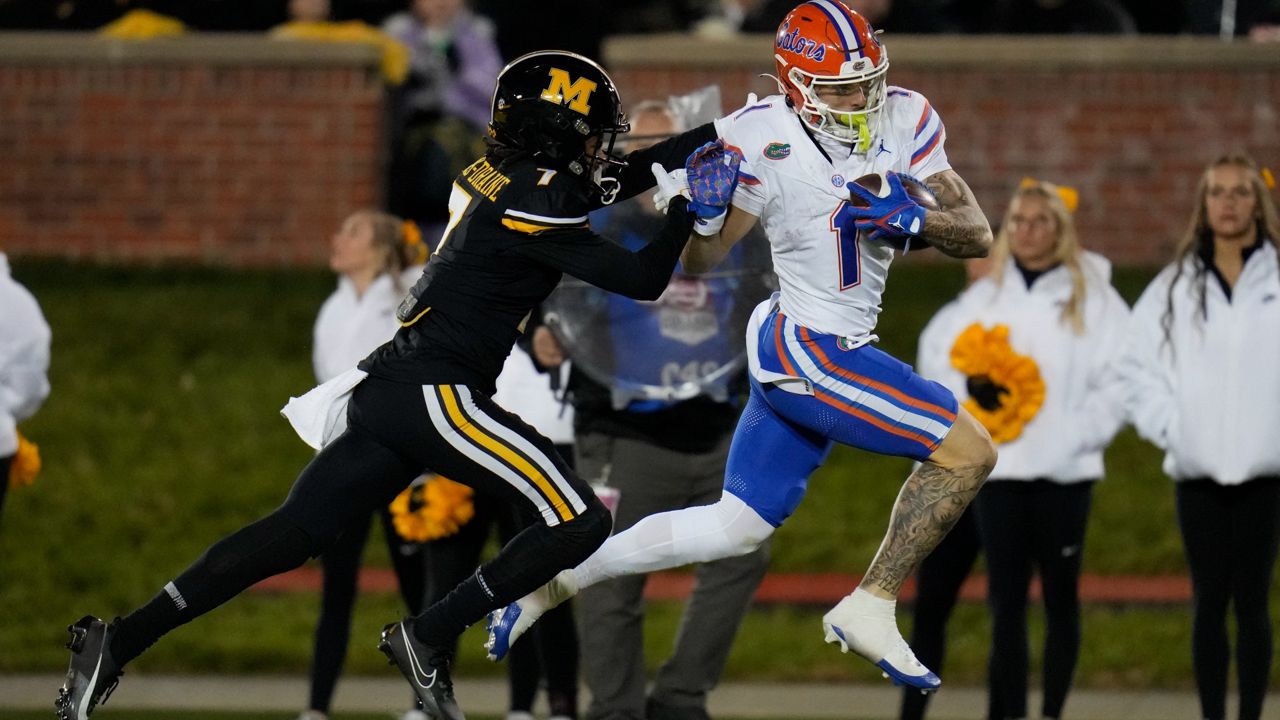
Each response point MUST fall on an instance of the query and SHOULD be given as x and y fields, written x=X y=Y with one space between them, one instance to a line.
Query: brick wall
x=240 y=150
x=236 y=151
x=1130 y=123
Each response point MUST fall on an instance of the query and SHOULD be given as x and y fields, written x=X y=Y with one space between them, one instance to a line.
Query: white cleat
x=507 y=624
x=866 y=625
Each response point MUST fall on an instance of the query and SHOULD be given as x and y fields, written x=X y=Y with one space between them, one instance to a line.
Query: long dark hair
x=1197 y=241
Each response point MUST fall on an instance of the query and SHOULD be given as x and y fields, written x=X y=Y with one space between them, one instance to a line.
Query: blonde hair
x=399 y=238
x=1198 y=237
x=1066 y=249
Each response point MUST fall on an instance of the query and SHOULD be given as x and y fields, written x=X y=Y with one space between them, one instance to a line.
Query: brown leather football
x=876 y=184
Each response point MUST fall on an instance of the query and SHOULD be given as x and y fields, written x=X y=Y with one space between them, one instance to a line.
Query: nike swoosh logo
x=82 y=712
x=418 y=673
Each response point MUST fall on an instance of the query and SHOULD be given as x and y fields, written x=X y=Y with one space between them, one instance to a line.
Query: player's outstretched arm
x=706 y=251
x=959 y=229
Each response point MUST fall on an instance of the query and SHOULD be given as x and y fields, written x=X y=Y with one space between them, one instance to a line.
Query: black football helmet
x=549 y=103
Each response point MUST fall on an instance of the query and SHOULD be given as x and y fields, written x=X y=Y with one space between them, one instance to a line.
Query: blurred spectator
x=1215 y=17
x=1027 y=349
x=309 y=11
x=728 y=17
x=24 y=382
x=653 y=455
x=442 y=110
x=143 y=25
x=376 y=258
x=310 y=20
x=209 y=15
x=1199 y=372
x=1047 y=17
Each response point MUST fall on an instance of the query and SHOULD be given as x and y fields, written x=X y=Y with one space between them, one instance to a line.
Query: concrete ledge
x=947 y=52
x=216 y=49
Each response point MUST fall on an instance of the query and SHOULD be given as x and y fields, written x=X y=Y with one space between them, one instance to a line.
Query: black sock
x=131 y=637
x=442 y=623
x=267 y=547
x=533 y=557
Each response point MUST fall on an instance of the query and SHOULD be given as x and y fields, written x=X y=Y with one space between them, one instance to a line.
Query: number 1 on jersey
x=847 y=251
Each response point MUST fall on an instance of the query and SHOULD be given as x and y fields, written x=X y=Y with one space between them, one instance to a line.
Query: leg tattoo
x=929 y=505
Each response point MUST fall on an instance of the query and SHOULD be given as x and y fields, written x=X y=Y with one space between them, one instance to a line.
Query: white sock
x=874 y=606
x=666 y=540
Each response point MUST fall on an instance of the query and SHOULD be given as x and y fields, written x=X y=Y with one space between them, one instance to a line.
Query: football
x=878 y=184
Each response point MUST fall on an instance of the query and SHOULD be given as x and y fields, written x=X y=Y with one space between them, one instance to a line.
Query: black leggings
x=937 y=588
x=395 y=432
x=341 y=565
x=1230 y=535
x=1036 y=524
x=5 y=463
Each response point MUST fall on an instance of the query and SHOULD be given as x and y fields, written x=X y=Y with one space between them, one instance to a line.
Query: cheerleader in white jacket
x=377 y=258
x=1201 y=383
x=1027 y=350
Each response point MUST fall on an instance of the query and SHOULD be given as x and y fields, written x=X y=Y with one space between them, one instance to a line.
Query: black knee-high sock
x=531 y=559
x=442 y=623
x=267 y=547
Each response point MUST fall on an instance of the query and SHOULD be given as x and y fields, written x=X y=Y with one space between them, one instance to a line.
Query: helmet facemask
x=856 y=127
x=594 y=163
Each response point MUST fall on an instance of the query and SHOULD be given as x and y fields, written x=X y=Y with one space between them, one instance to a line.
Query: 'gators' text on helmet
x=550 y=104
x=823 y=42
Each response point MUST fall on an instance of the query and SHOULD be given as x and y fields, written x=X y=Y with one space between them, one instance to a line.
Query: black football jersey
x=513 y=230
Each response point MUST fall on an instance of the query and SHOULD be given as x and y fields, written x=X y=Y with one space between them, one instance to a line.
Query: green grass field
x=162 y=434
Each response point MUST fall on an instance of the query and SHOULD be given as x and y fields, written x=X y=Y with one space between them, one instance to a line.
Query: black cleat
x=425 y=667
x=93 y=673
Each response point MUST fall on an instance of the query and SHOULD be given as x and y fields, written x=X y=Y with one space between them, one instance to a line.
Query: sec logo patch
x=837 y=180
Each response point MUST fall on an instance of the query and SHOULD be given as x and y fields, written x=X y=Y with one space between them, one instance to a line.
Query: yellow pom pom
x=978 y=351
x=26 y=463
x=431 y=510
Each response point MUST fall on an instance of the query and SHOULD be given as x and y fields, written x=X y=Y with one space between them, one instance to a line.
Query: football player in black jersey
x=517 y=222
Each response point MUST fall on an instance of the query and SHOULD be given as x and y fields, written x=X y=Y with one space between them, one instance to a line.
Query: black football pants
x=396 y=432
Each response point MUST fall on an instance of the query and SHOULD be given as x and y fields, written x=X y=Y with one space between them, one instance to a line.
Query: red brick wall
x=246 y=151
x=240 y=163
x=1131 y=129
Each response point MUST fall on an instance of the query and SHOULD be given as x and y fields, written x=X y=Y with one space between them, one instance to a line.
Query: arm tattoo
x=929 y=505
x=959 y=229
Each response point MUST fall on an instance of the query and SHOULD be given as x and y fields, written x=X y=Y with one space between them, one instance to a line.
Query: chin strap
x=609 y=187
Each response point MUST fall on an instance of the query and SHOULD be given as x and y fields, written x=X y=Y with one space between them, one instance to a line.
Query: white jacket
x=527 y=393
x=1211 y=398
x=348 y=327
x=24 y=358
x=1080 y=416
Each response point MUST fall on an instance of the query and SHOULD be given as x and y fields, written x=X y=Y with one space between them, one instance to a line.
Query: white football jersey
x=829 y=283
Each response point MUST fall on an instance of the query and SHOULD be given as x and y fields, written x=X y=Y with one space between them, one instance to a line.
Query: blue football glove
x=712 y=172
x=894 y=216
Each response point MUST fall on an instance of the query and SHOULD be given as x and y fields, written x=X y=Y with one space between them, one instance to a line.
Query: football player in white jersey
x=816 y=377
